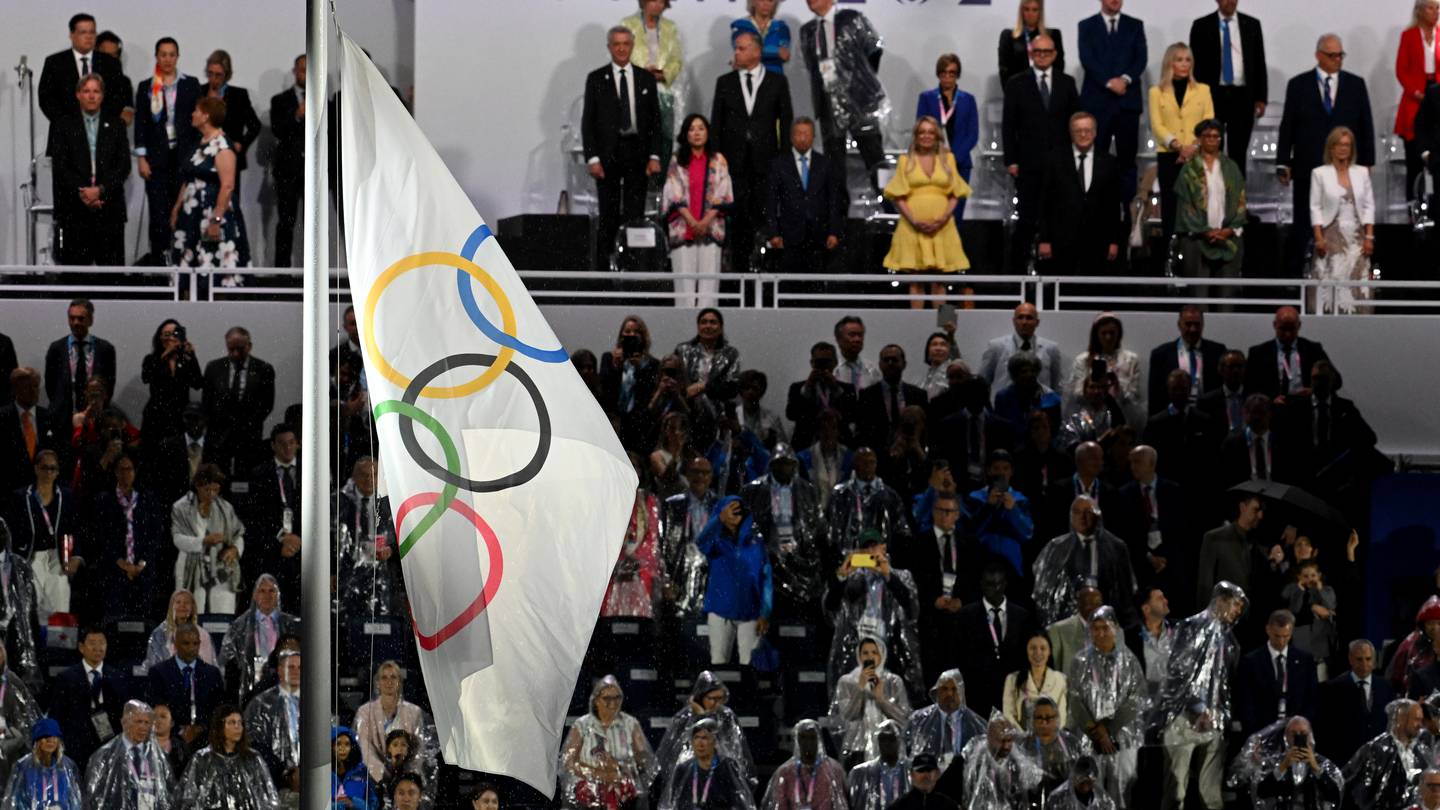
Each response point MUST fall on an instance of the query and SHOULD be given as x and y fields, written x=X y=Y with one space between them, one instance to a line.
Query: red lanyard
x=809 y=786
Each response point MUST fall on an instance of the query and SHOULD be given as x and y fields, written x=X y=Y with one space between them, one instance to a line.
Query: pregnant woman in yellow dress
x=926 y=188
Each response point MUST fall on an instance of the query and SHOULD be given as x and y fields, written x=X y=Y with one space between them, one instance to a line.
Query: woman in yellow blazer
x=658 y=50
x=1177 y=104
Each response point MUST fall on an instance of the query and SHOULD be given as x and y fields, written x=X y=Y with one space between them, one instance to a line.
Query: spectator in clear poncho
x=944 y=729
x=706 y=779
x=162 y=638
x=1107 y=698
x=707 y=701
x=809 y=780
x=19 y=612
x=18 y=714
x=1385 y=771
x=1429 y=790
x=998 y=775
x=390 y=710
x=253 y=636
x=684 y=517
x=272 y=720
x=606 y=761
x=226 y=773
x=1087 y=550
x=865 y=502
x=1053 y=747
x=870 y=599
x=877 y=783
x=864 y=698
x=1080 y=791
x=1280 y=770
x=130 y=772
x=45 y=778
x=402 y=762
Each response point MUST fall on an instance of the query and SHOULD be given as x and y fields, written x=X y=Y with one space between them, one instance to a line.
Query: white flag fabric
x=510 y=490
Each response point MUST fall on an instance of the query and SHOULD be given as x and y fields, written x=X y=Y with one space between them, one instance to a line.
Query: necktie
x=997 y=628
x=1280 y=672
x=824 y=41
x=196 y=452
x=84 y=66
x=948 y=743
x=1285 y=369
x=1113 y=20
x=894 y=403
x=1262 y=466
x=1232 y=407
x=365 y=517
x=1329 y=100
x=289 y=482
x=1149 y=505
x=135 y=758
x=187 y=676
x=1322 y=429
x=27 y=429
x=236 y=369
x=1227 y=59
x=1365 y=692
x=94 y=687
x=82 y=375
x=1080 y=170
x=1194 y=371
x=626 y=122
x=1025 y=345
x=947 y=552
x=1045 y=90
x=749 y=84
x=805 y=172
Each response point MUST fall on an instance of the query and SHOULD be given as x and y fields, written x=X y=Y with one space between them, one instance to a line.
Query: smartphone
x=1299 y=740
x=632 y=345
x=945 y=314
x=1099 y=369
x=179 y=333
x=861 y=560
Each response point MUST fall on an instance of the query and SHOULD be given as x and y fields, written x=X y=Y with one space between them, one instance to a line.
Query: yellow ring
x=442 y=258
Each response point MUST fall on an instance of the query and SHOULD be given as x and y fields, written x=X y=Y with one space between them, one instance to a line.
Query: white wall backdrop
x=498 y=78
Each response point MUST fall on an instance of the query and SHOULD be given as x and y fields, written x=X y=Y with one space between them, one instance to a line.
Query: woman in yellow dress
x=926 y=188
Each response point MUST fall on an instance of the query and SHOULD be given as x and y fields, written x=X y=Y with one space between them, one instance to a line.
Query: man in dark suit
x=172 y=464
x=842 y=52
x=1316 y=102
x=272 y=517
x=87 y=698
x=1226 y=404
x=62 y=71
x=881 y=404
x=1183 y=435
x=1282 y=366
x=1328 y=428
x=287 y=161
x=805 y=203
x=1277 y=680
x=189 y=686
x=1082 y=218
x=984 y=663
x=25 y=429
x=945 y=564
x=238 y=396
x=1352 y=705
x=88 y=180
x=1229 y=53
x=620 y=130
x=1036 y=122
x=8 y=363
x=1114 y=56
x=749 y=122
x=1060 y=495
x=817 y=393
x=129 y=533
x=1260 y=453
x=1151 y=515
x=1193 y=352
x=74 y=360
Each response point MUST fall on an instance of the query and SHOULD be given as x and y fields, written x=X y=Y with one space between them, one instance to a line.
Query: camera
x=179 y=333
x=1299 y=740
x=632 y=345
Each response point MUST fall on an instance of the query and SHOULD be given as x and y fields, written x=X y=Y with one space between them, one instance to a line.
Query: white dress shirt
x=623 y=75
x=1320 y=77
x=1214 y=193
x=751 y=89
x=1237 y=53
x=79 y=66
x=829 y=19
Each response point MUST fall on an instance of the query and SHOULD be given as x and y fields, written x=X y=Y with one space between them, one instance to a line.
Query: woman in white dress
x=1342 y=210
x=211 y=539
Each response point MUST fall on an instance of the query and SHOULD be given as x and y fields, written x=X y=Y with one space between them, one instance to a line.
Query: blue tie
x=1329 y=104
x=805 y=172
x=1227 y=63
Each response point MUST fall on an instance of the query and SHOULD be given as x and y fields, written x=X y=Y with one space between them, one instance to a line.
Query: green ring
x=452 y=463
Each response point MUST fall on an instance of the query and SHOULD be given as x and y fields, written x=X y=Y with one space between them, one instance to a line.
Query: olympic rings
x=452 y=459
x=467 y=297
x=493 y=576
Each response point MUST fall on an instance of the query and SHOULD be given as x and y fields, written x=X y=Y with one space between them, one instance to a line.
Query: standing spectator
x=881 y=405
x=774 y=33
x=999 y=515
x=606 y=759
x=943 y=729
x=272 y=720
x=209 y=228
x=1226 y=404
x=1352 y=704
x=287 y=160
x=1342 y=216
x=805 y=202
x=697 y=200
x=1081 y=180
x=856 y=370
x=1192 y=352
x=1039 y=104
x=1105 y=349
x=1114 y=56
x=45 y=777
x=1383 y=772
x=8 y=364
x=993 y=635
x=1024 y=687
x=712 y=366
x=128 y=772
x=174 y=462
x=1295 y=776
x=1107 y=689
x=739 y=593
x=241 y=126
x=109 y=44
x=165 y=138
x=751 y=115
x=1177 y=104
x=946 y=578
x=842 y=51
x=239 y=395
x=1087 y=552
x=171 y=370
x=1313 y=603
x=622 y=136
x=63 y=70
x=683 y=518
x=90 y=161
x=635 y=580
x=629 y=375
x=227 y=771
x=1276 y=680
x=787 y=513
x=1089 y=458
x=190 y=686
x=128 y=532
x=1316 y=102
x=658 y=52
x=877 y=783
x=74 y=360
x=1210 y=201
x=349 y=785
x=754 y=417
x=1017 y=44
x=827 y=462
x=1415 y=70
x=923 y=781
x=211 y=540
x=1184 y=436
x=87 y=698
x=926 y=188
x=20 y=712
x=25 y=430
x=1228 y=553
x=823 y=777
x=1151 y=515
x=1152 y=639
x=934 y=377
x=1026 y=321
x=272 y=515
x=389 y=710
x=253 y=637
x=862 y=502
x=956 y=113
x=1229 y=50
x=1282 y=366
x=44 y=520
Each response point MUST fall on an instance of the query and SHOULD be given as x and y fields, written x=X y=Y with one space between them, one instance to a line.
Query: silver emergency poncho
x=925 y=731
x=1055 y=758
x=859 y=505
x=227 y=782
x=592 y=747
x=272 y=723
x=994 y=781
x=114 y=782
x=363 y=583
x=850 y=86
x=1255 y=771
x=1193 y=707
x=18 y=713
x=1109 y=689
x=870 y=609
x=730 y=739
x=239 y=648
x=872 y=784
x=1065 y=797
x=857 y=710
x=34 y=786
x=796 y=785
x=687 y=571
x=1383 y=773
x=721 y=787
x=1063 y=561
x=19 y=617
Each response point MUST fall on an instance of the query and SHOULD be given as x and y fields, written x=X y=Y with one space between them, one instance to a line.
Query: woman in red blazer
x=1415 y=67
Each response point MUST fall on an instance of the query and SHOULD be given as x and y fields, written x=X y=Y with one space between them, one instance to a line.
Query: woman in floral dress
x=209 y=231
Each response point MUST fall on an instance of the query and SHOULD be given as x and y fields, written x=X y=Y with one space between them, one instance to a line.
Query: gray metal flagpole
x=316 y=684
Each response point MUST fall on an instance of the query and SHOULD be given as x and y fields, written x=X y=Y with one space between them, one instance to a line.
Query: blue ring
x=467 y=297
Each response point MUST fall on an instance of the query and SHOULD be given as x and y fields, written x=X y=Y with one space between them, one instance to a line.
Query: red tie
x=27 y=427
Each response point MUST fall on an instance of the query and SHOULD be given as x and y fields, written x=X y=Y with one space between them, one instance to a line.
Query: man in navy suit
x=64 y=69
x=1113 y=53
x=1277 y=680
x=805 y=206
x=811 y=397
x=1352 y=705
x=1282 y=366
x=1038 y=105
x=1229 y=52
x=88 y=697
x=189 y=686
x=1316 y=102
x=620 y=130
x=90 y=160
x=881 y=404
x=1197 y=356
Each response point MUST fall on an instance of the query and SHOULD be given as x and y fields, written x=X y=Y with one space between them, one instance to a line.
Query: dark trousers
x=1167 y=171
x=1022 y=237
x=160 y=192
x=747 y=217
x=1235 y=107
x=288 y=191
x=91 y=242
x=1300 y=234
x=620 y=196
x=869 y=141
x=1085 y=257
x=1124 y=129
x=1414 y=167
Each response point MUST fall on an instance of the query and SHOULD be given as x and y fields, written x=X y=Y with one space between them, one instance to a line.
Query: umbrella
x=1298 y=506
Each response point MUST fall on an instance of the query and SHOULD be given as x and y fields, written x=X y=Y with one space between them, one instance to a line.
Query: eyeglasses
x=1333 y=54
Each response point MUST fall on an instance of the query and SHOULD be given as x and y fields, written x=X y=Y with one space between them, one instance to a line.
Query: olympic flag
x=511 y=492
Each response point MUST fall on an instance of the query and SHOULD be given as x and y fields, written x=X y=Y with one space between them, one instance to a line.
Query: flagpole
x=315 y=424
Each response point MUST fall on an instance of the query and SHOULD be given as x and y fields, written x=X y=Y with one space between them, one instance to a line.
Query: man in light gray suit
x=998 y=352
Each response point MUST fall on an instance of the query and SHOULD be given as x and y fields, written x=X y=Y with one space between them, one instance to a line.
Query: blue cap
x=45 y=727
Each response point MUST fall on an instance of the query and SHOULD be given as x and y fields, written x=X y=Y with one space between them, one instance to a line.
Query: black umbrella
x=1297 y=507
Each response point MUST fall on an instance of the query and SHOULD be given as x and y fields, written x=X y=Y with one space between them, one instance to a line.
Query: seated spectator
x=870 y=599
x=1107 y=696
x=1276 y=680
x=723 y=776
x=809 y=399
x=1055 y=747
x=864 y=697
x=878 y=783
x=1105 y=355
x=1025 y=394
x=226 y=773
x=707 y=702
x=712 y=365
x=1417 y=650
x=671 y=450
x=87 y=698
x=1152 y=638
x=994 y=365
x=1313 y=603
x=253 y=636
x=175 y=751
x=997 y=774
x=41 y=527
x=191 y=687
x=585 y=365
x=128 y=528
x=272 y=721
x=45 y=777
x=943 y=729
x=683 y=519
x=1024 y=688
x=181 y=611
x=827 y=462
x=740 y=590
x=349 y=785
x=402 y=761
x=1094 y=417
x=130 y=772
x=754 y=417
x=1210 y=211
x=1070 y=635
x=90 y=162
x=926 y=188
x=18 y=713
x=1079 y=790
x=211 y=539
x=1286 y=784
x=606 y=761
x=822 y=777
x=924 y=777
x=940 y=351
x=1087 y=551
x=991 y=642
x=786 y=512
x=1384 y=771
x=390 y=710
x=999 y=515
x=866 y=502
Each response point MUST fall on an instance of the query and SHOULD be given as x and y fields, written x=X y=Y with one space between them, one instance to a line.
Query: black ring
x=454 y=361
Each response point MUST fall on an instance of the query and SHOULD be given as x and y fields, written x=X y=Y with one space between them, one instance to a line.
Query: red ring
x=492 y=579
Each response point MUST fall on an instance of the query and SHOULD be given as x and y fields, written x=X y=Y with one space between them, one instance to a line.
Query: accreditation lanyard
x=698 y=798
x=127 y=505
x=809 y=785
x=946 y=113
x=46 y=786
x=142 y=775
x=49 y=526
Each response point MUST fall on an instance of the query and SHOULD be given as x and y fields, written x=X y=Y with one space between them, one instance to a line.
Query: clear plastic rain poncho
x=687 y=571
x=722 y=787
x=1063 y=562
x=1257 y=770
x=240 y=647
x=638 y=573
x=227 y=782
x=363 y=583
x=605 y=766
x=272 y=721
x=19 y=619
x=1056 y=756
x=1194 y=703
x=794 y=527
x=875 y=785
x=809 y=779
x=858 y=711
x=859 y=505
x=730 y=739
x=931 y=731
x=1109 y=689
x=18 y=713
x=871 y=609
x=850 y=80
x=1068 y=796
x=415 y=762
x=114 y=782
x=999 y=775
x=34 y=786
x=1383 y=773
